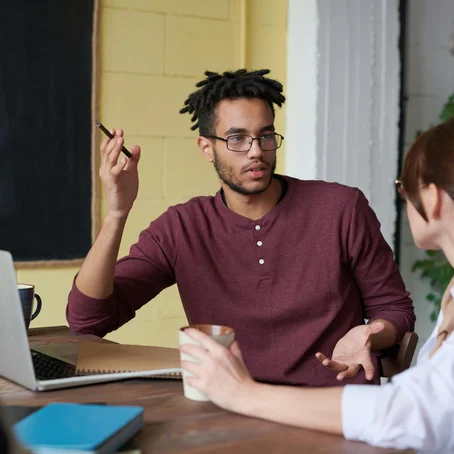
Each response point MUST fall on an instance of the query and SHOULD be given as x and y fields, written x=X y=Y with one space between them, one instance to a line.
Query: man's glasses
x=401 y=191
x=243 y=142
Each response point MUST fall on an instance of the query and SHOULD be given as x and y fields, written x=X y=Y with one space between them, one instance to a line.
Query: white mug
x=221 y=334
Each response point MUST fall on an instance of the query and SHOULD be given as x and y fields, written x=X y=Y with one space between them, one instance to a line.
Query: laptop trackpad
x=66 y=352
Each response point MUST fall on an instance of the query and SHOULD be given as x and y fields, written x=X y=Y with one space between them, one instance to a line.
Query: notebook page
x=99 y=357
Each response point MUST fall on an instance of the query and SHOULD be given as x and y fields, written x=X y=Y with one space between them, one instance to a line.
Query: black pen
x=110 y=136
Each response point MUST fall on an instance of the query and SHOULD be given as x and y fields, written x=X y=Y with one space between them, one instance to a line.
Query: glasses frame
x=401 y=191
x=226 y=140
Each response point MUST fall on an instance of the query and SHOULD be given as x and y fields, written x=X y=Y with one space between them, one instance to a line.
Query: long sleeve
x=139 y=277
x=375 y=271
x=415 y=410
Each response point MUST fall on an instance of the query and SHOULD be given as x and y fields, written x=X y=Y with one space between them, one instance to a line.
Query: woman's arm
x=415 y=411
x=310 y=408
x=222 y=375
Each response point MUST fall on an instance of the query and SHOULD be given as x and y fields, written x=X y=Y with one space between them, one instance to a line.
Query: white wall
x=429 y=82
x=302 y=89
x=358 y=123
x=343 y=97
x=343 y=106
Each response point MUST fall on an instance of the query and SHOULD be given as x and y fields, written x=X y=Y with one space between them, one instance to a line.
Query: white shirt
x=415 y=410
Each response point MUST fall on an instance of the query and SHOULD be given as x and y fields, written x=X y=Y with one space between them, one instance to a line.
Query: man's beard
x=226 y=174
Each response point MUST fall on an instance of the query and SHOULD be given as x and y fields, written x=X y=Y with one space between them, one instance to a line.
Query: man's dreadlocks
x=230 y=85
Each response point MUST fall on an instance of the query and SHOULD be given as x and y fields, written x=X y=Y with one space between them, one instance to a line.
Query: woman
x=416 y=410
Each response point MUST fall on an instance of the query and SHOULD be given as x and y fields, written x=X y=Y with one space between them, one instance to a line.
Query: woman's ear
x=206 y=147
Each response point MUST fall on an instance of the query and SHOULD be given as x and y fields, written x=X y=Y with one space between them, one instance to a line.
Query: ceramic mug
x=27 y=296
x=221 y=334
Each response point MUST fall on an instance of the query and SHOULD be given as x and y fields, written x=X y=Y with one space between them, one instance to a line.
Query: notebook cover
x=15 y=413
x=77 y=427
x=100 y=357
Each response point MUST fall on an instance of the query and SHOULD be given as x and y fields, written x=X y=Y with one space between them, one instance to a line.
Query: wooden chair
x=398 y=358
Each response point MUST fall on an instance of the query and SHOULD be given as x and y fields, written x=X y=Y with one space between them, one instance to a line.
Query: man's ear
x=206 y=148
x=433 y=201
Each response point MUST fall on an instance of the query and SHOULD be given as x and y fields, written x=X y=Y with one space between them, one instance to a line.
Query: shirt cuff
x=359 y=403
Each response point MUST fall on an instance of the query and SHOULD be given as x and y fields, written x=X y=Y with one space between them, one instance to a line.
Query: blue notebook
x=78 y=428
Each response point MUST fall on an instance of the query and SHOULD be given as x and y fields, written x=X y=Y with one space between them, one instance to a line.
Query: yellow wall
x=152 y=52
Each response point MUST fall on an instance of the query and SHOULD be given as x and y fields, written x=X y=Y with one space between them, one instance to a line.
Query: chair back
x=398 y=358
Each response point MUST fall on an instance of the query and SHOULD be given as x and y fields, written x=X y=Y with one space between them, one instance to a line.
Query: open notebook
x=108 y=358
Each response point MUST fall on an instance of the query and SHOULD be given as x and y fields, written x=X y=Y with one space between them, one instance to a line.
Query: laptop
x=33 y=368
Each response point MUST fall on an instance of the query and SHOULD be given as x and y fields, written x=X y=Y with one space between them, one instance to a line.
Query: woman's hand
x=220 y=373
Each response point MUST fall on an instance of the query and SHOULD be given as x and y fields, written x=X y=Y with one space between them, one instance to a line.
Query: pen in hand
x=108 y=134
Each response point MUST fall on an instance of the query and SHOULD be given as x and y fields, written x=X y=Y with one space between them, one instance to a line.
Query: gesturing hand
x=220 y=373
x=353 y=352
x=119 y=175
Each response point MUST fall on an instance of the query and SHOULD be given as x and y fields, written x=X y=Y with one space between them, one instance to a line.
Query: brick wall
x=152 y=54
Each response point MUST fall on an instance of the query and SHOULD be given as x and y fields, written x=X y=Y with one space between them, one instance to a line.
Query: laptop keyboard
x=49 y=368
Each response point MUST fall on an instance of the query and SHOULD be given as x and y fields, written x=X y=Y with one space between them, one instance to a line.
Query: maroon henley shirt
x=291 y=283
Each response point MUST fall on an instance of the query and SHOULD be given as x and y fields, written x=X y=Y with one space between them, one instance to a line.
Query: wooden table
x=174 y=424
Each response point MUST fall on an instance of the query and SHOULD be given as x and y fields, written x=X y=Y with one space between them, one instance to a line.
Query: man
x=293 y=266
x=416 y=409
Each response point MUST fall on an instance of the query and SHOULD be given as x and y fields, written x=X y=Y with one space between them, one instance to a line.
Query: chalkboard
x=46 y=63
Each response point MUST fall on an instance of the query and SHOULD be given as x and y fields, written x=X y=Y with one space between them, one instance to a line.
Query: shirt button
x=257 y=227
x=259 y=243
x=261 y=261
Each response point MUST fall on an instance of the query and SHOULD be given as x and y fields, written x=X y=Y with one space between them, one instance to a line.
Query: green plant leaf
x=448 y=109
x=436 y=268
x=431 y=297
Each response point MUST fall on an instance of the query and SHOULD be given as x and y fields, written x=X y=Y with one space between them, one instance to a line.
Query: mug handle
x=38 y=307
